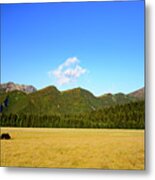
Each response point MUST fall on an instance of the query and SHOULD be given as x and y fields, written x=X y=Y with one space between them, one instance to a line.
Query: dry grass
x=73 y=148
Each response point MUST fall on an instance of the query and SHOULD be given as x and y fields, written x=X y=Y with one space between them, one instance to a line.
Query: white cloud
x=75 y=72
x=72 y=60
x=68 y=71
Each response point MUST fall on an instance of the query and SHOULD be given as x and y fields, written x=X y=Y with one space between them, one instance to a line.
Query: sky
x=98 y=46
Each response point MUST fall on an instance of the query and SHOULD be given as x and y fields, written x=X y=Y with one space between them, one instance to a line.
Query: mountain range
x=49 y=100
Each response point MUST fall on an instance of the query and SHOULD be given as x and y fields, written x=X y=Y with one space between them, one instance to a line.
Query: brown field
x=73 y=148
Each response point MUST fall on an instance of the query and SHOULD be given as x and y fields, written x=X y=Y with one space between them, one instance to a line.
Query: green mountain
x=114 y=99
x=50 y=100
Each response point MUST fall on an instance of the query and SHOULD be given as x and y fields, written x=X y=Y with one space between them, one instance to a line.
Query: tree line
x=128 y=116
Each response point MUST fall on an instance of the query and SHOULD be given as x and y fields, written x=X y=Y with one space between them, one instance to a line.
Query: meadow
x=73 y=148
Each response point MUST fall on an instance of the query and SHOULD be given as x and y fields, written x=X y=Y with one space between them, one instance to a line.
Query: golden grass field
x=73 y=148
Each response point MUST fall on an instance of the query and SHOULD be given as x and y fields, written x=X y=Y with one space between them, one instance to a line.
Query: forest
x=127 y=116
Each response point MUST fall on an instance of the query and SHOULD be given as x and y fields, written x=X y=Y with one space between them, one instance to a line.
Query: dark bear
x=5 y=136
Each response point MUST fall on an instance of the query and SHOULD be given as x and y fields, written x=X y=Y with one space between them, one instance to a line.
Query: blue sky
x=98 y=46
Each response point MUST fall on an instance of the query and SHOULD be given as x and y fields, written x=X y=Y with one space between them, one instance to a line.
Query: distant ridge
x=10 y=86
x=138 y=93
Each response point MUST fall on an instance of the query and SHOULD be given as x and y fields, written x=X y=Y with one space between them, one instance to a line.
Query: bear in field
x=5 y=136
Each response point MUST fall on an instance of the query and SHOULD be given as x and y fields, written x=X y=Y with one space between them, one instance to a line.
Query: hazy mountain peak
x=11 y=86
x=138 y=93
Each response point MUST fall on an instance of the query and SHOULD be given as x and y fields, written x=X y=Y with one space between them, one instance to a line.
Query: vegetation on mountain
x=77 y=107
x=50 y=100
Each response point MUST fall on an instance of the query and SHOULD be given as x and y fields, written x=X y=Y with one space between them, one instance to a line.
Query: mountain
x=114 y=99
x=50 y=100
x=80 y=100
x=139 y=94
x=10 y=86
